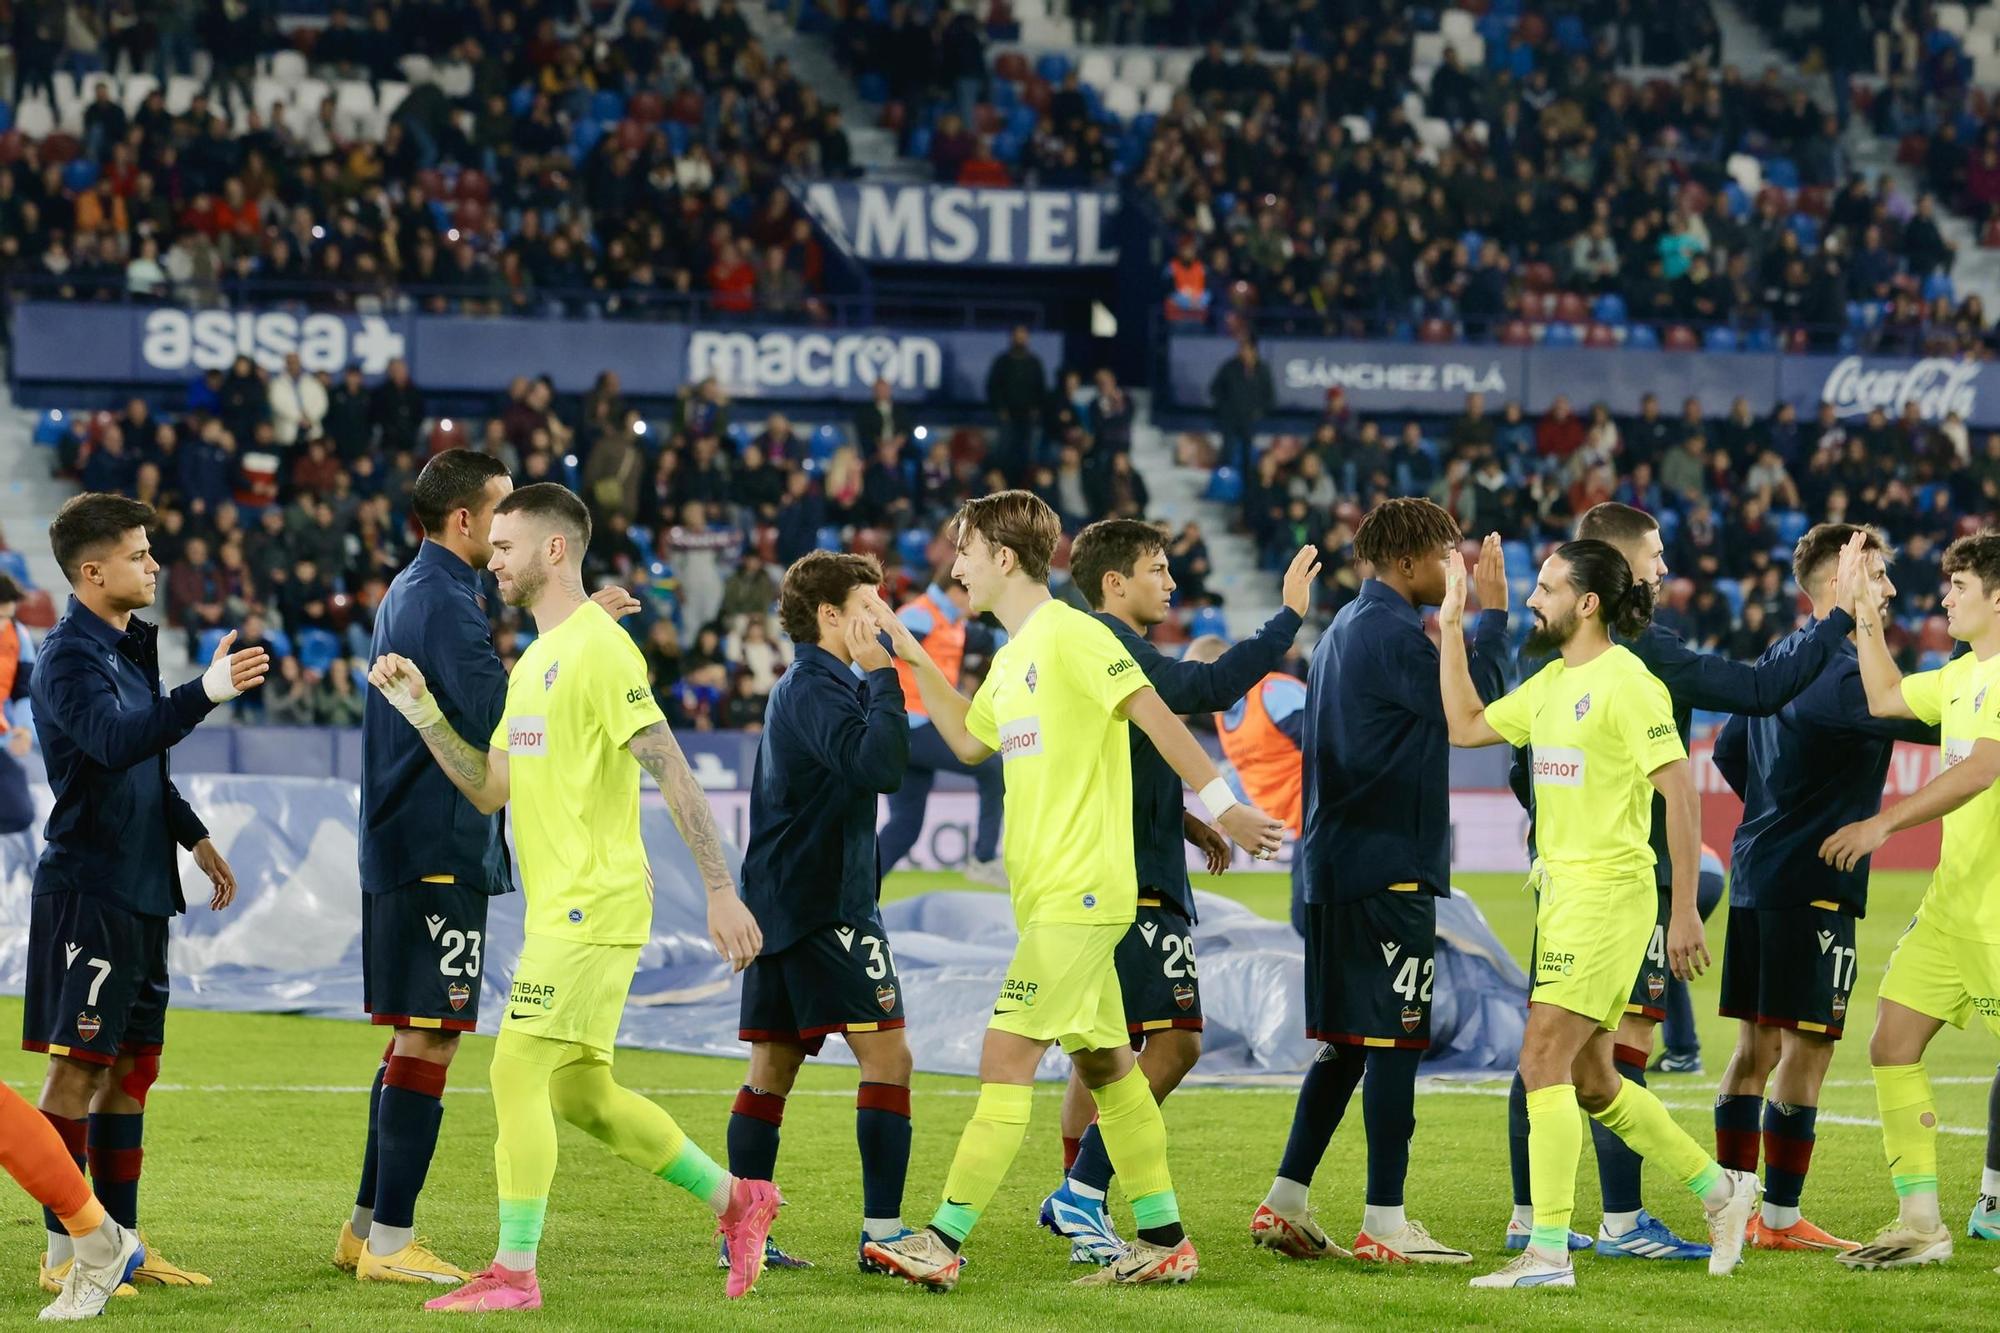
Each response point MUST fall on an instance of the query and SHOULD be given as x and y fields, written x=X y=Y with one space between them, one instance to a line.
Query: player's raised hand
x=229 y=674
x=209 y=861
x=616 y=601
x=1489 y=576
x=1451 y=611
x=732 y=930
x=1687 y=945
x=1254 y=831
x=1299 y=579
x=397 y=677
x=864 y=643
x=901 y=640
x=1214 y=848
x=1853 y=590
x=1848 y=844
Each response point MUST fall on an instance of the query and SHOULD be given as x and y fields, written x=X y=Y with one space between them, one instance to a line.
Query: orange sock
x=34 y=1155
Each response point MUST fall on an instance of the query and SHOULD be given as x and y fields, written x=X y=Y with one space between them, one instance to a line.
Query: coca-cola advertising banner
x=1434 y=380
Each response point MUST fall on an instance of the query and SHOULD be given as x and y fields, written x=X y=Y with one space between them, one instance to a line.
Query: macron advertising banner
x=66 y=343
x=983 y=228
x=1433 y=379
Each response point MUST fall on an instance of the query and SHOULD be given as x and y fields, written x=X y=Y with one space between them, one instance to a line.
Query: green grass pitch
x=255 y=1138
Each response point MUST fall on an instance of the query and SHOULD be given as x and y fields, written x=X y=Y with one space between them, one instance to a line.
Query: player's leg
x=40 y=1162
x=758 y=1114
x=422 y=951
x=1739 y=1098
x=882 y=1129
x=1921 y=991
x=1790 y=1120
x=1985 y=1221
x=1549 y=1050
x=353 y=1238
x=1078 y=1111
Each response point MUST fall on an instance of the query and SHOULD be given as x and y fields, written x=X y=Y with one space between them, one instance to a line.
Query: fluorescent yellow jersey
x=1963 y=699
x=1598 y=732
x=1049 y=706
x=576 y=696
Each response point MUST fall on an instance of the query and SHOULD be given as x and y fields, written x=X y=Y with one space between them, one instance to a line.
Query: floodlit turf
x=254 y=1139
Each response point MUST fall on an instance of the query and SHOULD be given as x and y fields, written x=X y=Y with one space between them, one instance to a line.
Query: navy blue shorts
x=1649 y=988
x=1370 y=964
x=1789 y=967
x=1156 y=972
x=97 y=979
x=840 y=978
x=422 y=952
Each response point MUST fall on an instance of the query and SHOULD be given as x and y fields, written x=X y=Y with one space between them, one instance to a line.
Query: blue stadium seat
x=678 y=137
x=1520 y=561
x=281 y=642
x=1642 y=336
x=1807 y=228
x=1857 y=318
x=1142 y=127
x=584 y=136
x=914 y=546
x=1609 y=309
x=1507 y=9
x=873 y=88
x=1560 y=334
x=642 y=536
x=607 y=105
x=1520 y=58
x=826 y=439
x=205 y=645
x=829 y=538
x=1739 y=202
x=1781 y=172
x=1790 y=524
x=1005 y=95
x=79 y=175
x=1007 y=147
x=1570 y=34
x=1052 y=67
x=317 y=649
x=1732 y=592
x=1225 y=486
x=15 y=566
x=1871 y=312
x=1933 y=660
x=522 y=100
x=1494 y=29
x=920 y=142
x=1760 y=339
x=1670 y=524
x=1721 y=338
x=49 y=430
x=1475 y=246
x=741 y=433
x=6 y=117
x=1021 y=121
x=1936 y=285
x=1849 y=343
x=1208 y=620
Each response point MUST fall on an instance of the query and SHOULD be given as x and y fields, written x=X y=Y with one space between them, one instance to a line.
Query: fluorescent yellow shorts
x=1935 y=972
x=1590 y=938
x=569 y=991
x=1062 y=985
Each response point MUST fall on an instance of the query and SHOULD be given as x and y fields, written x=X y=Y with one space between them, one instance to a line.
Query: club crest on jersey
x=1839 y=1006
x=1656 y=985
x=1979 y=699
x=886 y=997
x=1030 y=678
x=845 y=934
x=1582 y=707
x=1183 y=995
x=458 y=993
x=549 y=676
x=88 y=1025
x=1412 y=1015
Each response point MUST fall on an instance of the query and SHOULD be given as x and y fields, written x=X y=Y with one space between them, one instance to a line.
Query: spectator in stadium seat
x=288 y=700
x=1684 y=467
x=1242 y=394
x=109 y=465
x=297 y=403
x=396 y=409
x=781 y=292
x=1560 y=432
x=982 y=170
x=881 y=419
x=1016 y=387
x=1924 y=246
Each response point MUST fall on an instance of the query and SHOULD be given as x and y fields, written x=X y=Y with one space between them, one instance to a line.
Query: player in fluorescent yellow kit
x=1054 y=705
x=579 y=713
x=1602 y=728
x=1947 y=965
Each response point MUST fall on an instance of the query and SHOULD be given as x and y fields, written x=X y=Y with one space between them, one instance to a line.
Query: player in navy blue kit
x=1788 y=964
x=1694 y=680
x=1121 y=567
x=832 y=744
x=1377 y=851
x=108 y=881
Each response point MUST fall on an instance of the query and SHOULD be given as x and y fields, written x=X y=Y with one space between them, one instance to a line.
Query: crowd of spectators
x=284 y=506
x=634 y=167
x=1733 y=492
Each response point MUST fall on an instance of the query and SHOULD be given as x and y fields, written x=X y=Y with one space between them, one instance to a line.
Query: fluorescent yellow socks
x=985 y=1150
x=1636 y=1116
x=1135 y=1136
x=1909 y=1139
x=1555 y=1138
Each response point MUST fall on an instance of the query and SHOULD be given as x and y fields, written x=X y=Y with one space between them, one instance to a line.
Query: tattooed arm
x=480 y=774
x=731 y=927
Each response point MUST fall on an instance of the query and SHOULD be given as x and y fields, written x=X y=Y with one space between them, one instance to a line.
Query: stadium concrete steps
x=875 y=149
x=1178 y=494
x=1975 y=269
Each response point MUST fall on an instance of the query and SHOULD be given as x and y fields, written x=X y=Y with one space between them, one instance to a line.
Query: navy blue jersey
x=831 y=744
x=1811 y=768
x=1377 y=758
x=414 y=823
x=1713 y=682
x=1186 y=688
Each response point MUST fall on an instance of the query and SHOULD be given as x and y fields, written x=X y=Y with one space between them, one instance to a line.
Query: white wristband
x=1219 y=800
x=419 y=713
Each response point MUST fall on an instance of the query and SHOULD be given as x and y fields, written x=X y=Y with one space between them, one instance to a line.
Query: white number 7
x=103 y=970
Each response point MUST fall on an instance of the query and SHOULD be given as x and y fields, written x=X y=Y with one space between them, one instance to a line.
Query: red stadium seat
x=59 y=148
x=1438 y=331
x=1989 y=238
x=1036 y=94
x=37 y=609
x=1571 y=308
x=1538 y=276
x=1779 y=197
x=1681 y=338
x=1516 y=333
x=894 y=116
x=1532 y=28
x=1796 y=341
x=469 y=215
x=632 y=135
x=1814 y=201
x=987 y=118
x=472 y=184
x=1600 y=335
x=431 y=181
x=648 y=107
x=870 y=541
x=1000 y=14
x=1011 y=65
x=11 y=144
x=1911 y=149
x=1935 y=636
x=686 y=107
